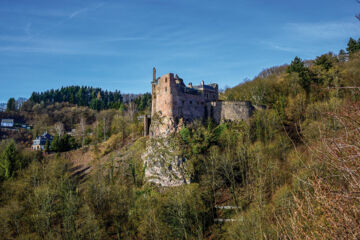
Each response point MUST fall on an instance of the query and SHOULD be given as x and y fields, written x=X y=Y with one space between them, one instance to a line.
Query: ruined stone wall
x=171 y=98
x=172 y=101
x=229 y=110
x=188 y=106
x=162 y=101
x=153 y=99
x=162 y=97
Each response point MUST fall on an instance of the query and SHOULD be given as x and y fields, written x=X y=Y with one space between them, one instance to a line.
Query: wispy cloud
x=77 y=12
x=23 y=44
x=307 y=38
x=83 y=10
x=67 y=18
x=323 y=30
x=38 y=12
x=120 y=39
x=280 y=47
x=64 y=50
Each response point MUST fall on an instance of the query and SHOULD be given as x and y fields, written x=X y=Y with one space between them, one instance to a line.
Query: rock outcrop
x=163 y=166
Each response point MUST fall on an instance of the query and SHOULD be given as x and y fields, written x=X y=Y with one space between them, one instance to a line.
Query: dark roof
x=41 y=140
x=45 y=136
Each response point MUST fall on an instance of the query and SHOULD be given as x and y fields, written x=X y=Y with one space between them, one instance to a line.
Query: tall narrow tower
x=153 y=105
x=154 y=74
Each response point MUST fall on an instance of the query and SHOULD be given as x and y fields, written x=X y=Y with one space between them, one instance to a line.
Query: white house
x=7 y=123
x=40 y=141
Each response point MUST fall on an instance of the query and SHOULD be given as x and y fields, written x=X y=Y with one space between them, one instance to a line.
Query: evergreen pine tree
x=11 y=105
x=47 y=146
x=353 y=46
x=8 y=161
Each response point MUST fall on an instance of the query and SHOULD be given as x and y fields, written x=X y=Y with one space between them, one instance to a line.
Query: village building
x=40 y=141
x=7 y=123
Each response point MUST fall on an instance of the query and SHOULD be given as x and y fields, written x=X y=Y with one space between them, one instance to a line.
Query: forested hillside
x=290 y=172
x=95 y=98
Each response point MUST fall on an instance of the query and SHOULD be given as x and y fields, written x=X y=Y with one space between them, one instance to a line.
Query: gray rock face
x=163 y=166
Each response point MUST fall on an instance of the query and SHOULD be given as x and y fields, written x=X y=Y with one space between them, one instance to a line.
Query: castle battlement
x=175 y=103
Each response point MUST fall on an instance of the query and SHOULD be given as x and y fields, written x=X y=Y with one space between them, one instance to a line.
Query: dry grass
x=330 y=209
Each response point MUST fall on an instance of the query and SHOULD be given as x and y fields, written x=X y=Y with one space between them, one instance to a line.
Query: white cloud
x=77 y=12
x=120 y=39
x=62 y=46
x=65 y=50
x=32 y=34
x=280 y=47
x=323 y=30
x=48 y=12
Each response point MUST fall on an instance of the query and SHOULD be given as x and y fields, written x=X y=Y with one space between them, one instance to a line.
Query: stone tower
x=162 y=95
x=153 y=93
x=154 y=74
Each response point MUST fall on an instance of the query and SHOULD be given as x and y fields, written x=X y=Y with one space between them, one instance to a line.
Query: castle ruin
x=174 y=103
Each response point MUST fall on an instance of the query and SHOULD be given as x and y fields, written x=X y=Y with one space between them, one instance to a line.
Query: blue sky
x=114 y=44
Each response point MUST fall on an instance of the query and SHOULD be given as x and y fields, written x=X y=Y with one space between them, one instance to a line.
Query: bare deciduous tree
x=83 y=129
x=106 y=117
x=132 y=110
x=59 y=128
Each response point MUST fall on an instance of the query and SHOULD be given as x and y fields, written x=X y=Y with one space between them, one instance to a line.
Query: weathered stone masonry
x=174 y=103
x=229 y=110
